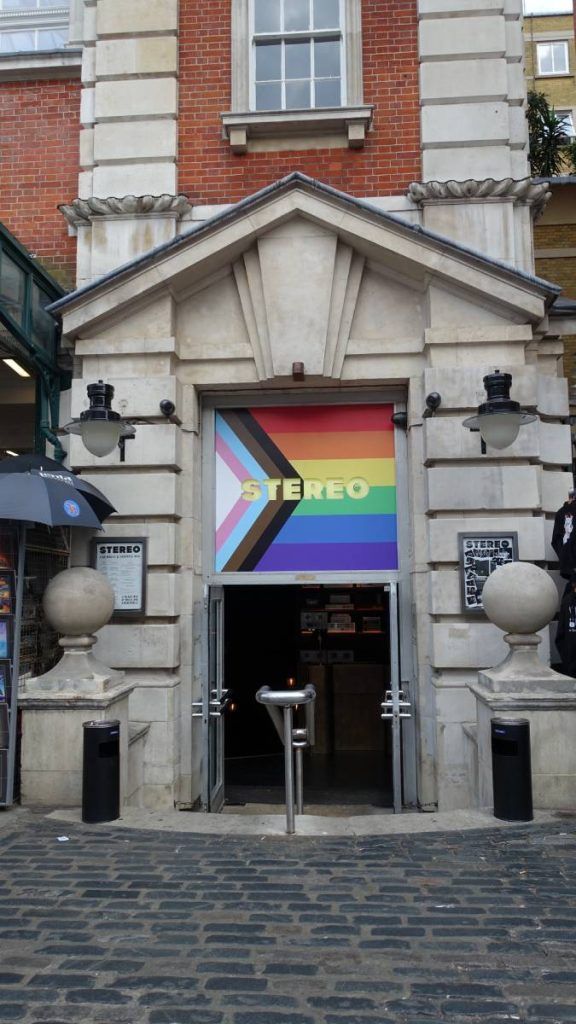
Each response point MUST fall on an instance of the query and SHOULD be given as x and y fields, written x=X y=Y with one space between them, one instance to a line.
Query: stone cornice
x=82 y=211
x=523 y=190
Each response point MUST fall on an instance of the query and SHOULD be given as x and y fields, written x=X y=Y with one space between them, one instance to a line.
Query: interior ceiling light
x=8 y=452
x=16 y=367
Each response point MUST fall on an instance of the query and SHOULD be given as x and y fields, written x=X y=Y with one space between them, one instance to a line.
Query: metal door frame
x=213 y=700
x=398 y=581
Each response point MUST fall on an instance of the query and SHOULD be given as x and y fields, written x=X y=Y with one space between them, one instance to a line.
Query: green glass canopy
x=30 y=336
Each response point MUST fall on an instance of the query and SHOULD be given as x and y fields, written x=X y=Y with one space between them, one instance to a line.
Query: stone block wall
x=472 y=90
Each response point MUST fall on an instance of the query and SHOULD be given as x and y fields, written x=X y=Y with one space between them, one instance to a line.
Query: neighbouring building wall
x=555 y=251
x=559 y=87
x=39 y=167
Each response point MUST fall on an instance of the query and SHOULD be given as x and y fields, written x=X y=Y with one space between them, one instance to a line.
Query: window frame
x=303 y=35
x=352 y=118
x=568 y=114
x=35 y=19
x=551 y=43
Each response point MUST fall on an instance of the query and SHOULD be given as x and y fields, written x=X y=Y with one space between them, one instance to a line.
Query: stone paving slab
x=308 y=824
x=119 y=926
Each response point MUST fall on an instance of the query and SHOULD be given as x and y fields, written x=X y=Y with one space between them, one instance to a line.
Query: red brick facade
x=39 y=132
x=210 y=173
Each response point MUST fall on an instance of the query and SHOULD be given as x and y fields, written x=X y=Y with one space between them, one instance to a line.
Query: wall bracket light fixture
x=100 y=427
x=499 y=418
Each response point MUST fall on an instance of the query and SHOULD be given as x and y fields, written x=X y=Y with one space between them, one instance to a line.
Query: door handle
x=218 y=707
x=393 y=704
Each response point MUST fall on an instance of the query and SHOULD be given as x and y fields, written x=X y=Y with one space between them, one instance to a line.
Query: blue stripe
x=239 y=449
x=338 y=530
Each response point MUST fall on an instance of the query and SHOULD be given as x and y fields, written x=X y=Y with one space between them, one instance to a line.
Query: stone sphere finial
x=78 y=601
x=520 y=598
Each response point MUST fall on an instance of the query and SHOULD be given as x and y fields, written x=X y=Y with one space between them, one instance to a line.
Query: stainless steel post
x=289 y=771
x=287 y=699
x=299 y=743
x=299 y=754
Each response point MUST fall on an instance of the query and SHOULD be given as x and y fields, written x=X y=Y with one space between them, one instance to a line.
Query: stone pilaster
x=474 y=131
x=128 y=138
x=472 y=89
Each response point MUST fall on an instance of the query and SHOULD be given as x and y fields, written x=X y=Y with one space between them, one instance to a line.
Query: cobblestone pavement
x=141 y=927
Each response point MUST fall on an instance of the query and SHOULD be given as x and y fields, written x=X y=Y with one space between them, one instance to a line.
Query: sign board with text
x=305 y=489
x=123 y=560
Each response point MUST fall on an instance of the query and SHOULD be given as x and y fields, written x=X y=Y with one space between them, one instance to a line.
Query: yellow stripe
x=376 y=472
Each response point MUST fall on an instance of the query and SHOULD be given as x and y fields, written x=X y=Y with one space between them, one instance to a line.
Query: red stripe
x=324 y=418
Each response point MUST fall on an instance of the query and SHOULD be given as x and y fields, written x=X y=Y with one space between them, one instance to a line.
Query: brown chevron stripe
x=275 y=513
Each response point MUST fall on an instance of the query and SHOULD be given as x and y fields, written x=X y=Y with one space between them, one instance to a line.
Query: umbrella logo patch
x=72 y=508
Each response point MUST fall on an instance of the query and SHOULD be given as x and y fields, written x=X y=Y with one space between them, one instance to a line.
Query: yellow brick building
x=550 y=67
x=550 y=61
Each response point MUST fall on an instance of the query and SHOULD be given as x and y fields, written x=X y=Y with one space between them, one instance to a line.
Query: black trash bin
x=101 y=772
x=511 y=769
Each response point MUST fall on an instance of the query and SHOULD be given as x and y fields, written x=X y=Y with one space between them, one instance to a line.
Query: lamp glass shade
x=499 y=429
x=100 y=437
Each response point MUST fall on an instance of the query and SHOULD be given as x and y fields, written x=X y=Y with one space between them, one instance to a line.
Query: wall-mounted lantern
x=100 y=428
x=499 y=418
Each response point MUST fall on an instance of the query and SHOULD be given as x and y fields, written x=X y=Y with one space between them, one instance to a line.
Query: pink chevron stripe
x=232 y=519
x=231 y=460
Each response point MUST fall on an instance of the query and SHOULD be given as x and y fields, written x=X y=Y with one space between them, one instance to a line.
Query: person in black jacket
x=566 y=633
x=564 y=536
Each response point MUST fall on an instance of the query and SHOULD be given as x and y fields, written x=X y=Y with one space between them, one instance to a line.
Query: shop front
x=295 y=530
x=33 y=374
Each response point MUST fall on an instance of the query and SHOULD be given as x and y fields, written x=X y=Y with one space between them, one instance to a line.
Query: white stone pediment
x=304 y=274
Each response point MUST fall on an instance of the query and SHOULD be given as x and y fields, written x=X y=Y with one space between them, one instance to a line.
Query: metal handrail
x=292 y=738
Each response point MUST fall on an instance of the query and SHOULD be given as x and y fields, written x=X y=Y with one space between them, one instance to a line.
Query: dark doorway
x=335 y=637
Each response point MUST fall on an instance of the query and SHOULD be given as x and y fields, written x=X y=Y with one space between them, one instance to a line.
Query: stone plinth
x=552 y=717
x=80 y=688
x=52 y=741
x=521 y=596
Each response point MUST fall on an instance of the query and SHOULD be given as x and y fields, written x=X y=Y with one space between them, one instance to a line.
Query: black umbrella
x=39 y=498
x=51 y=470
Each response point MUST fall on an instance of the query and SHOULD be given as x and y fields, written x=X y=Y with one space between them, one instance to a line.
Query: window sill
x=17 y=67
x=354 y=121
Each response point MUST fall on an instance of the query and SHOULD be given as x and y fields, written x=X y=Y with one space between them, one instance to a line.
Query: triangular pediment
x=301 y=273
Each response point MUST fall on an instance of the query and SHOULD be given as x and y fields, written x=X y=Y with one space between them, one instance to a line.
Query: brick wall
x=210 y=173
x=39 y=126
x=560 y=90
x=555 y=236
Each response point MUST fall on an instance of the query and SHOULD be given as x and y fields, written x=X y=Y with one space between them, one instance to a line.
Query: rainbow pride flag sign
x=306 y=489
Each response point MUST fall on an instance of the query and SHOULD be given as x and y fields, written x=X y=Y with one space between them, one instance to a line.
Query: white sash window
x=28 y=26
x=298 y=58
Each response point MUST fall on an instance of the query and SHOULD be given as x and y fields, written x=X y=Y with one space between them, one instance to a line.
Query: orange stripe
x=339 y=445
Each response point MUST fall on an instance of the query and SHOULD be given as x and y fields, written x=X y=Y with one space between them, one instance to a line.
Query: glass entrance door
x=396 y=708
x=214 y=701
x=363 y=746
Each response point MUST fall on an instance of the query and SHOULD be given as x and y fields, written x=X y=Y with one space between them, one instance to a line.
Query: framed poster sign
x=479 y=555
x=4 y=680
x=7 y=592
x=305 y=489
x=7 y=552
x=123 y=560
x=6 y=630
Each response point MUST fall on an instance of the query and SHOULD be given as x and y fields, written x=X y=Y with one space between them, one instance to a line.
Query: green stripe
x=380 y=501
